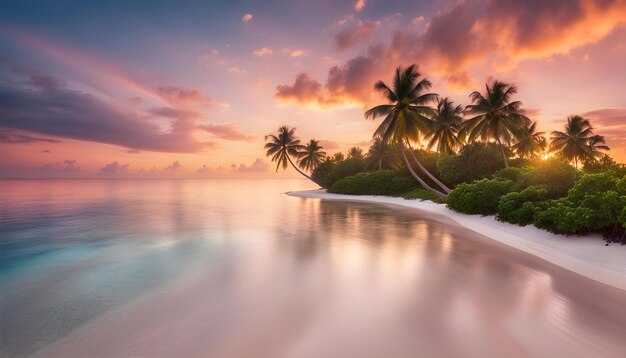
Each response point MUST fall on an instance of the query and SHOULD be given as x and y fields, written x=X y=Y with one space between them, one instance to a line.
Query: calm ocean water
x=233 y=268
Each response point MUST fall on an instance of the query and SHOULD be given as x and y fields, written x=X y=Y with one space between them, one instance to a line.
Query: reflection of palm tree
x=575 y=142
x=406 y=117
x=311 y=156
x=495 y=116
x=445 y=126
x=530 y=142
x=281 y=146
x=355 y=152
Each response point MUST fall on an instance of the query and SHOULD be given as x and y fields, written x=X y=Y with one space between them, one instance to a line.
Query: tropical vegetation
x=486 y=158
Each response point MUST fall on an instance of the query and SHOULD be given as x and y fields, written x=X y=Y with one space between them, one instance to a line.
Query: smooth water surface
x=232 y=268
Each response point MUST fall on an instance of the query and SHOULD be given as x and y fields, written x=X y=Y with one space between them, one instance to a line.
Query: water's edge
x=586 y=256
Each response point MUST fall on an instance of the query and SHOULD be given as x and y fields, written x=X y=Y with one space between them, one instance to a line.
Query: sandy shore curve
x=585 y=255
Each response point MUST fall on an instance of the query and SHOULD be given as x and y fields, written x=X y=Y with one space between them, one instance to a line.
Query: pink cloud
x=353 y=32
x=228 y=131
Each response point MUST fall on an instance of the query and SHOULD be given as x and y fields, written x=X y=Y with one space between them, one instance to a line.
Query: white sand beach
x=585 y=255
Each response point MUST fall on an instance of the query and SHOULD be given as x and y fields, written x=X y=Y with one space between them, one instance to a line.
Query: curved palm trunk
x=298 y=170
x=419 y=180
x=423 y=168
x=506 y=163
x=380 y=163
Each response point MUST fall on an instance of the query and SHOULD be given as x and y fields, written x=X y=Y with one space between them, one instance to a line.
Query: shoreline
x=585 y=255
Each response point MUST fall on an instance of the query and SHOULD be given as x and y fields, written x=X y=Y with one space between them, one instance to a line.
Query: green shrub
x=560 y=217
x=595 y=204
x=518 y=207
x=479 y=197
x=604 y=209
x=556 y=174
x=475 y=161
x=513 y=173
x=384 y=182
x=330 y=171
x=596 y=183
x=422 y=194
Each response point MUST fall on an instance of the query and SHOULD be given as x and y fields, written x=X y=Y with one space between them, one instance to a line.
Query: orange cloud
x=505 y=32
x=359 y=5
x=246 y=18
x=471 y=33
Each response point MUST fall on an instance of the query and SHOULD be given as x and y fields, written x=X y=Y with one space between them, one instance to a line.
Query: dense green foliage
x=480 y=197
x=330 y=171
x=555 y=175
x=595 y=204
x=384 y=182
x=474 y=161
x=518 y=207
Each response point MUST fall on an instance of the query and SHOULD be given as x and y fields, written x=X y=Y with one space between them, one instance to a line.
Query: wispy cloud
x=62 y=112
x=263 y=52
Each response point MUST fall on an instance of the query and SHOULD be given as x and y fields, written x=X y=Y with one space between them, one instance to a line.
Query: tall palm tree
x=530 y=142
x=281 y=146
x=496 y=117
x=311 y=156
x=355 y=152
x=573 y=143
x=445 y=126
x=406 y=116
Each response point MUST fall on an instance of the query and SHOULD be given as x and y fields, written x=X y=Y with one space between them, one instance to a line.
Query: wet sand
x=439 y=290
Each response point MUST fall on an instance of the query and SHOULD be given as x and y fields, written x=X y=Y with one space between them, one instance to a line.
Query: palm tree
x=406 y=116
x=445 y=126
x=311 y=156
x=496 y=117
x=338 y=157
x=355 y=152
x=381 y=153
x=281 y=146
x=597 y=145
x=530 y=142
x=573 y=143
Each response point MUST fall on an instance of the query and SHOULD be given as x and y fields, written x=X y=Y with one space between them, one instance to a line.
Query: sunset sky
x=189 y=89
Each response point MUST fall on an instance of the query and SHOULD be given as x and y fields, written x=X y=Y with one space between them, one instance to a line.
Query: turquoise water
x=233 y=268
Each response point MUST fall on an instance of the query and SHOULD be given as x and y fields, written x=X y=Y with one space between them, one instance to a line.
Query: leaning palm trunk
x=298 y=170
x=506 y=163
x=419 y=180
x=423 y=168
